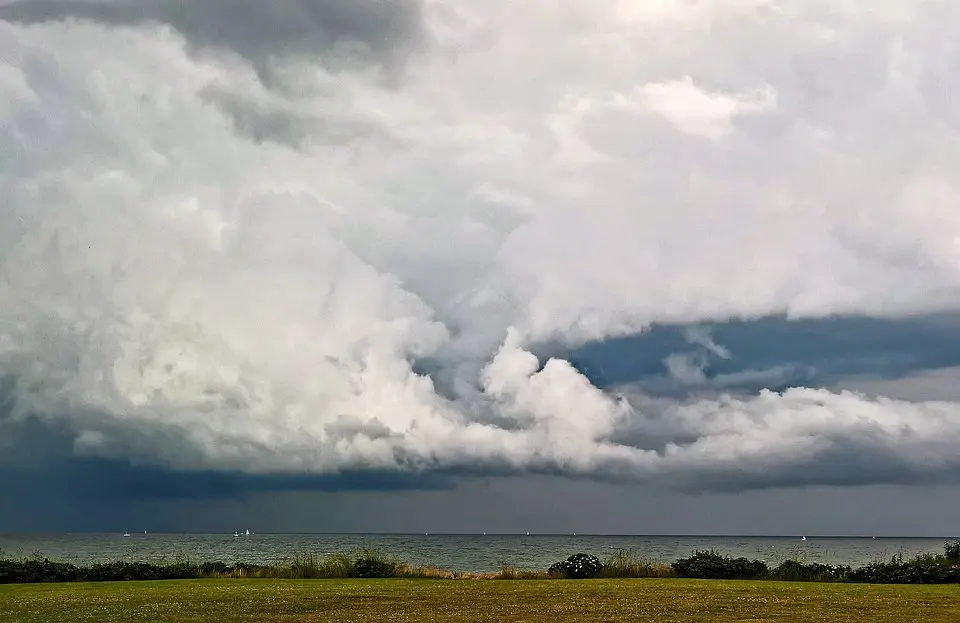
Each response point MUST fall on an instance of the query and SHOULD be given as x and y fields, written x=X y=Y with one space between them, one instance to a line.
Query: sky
x=441 y=265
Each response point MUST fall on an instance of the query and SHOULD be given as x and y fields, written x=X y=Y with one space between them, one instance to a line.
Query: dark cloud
x=540 y=504
x=384 y=30
x=46 y=466
x=845 y=465
x=102 y=479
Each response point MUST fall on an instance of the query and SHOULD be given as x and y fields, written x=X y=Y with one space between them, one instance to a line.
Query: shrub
x=951 y=551
x=923 y=569
x=126 y=571
x=577 y=567
x=33 y=570
x=712 y=566
x=791 y=570
x=371 y=564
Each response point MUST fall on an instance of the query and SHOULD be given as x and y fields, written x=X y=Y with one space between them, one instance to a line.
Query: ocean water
x=478 y=553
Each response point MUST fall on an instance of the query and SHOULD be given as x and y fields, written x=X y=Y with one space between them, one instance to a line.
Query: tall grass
x=509 y=572
x=630 y=564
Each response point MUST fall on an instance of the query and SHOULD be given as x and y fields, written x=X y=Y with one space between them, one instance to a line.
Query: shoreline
x=368 y=563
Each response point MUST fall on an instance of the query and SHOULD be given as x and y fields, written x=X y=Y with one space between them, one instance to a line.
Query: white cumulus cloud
x=220 y=257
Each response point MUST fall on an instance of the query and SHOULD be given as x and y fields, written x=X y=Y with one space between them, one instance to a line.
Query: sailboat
x=235 y=533
x=248 y=532
x=126 y=533
x=803 y=538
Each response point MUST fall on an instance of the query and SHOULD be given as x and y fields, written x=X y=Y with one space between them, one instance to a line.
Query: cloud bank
x=238 y=244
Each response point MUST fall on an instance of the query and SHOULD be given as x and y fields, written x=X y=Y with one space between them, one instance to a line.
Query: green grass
x=429 y=601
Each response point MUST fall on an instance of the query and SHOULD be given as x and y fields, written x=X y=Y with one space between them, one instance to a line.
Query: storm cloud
x=329 y=273
x=368 y=29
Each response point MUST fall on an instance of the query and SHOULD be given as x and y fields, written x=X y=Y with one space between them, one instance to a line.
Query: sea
x=456 y=552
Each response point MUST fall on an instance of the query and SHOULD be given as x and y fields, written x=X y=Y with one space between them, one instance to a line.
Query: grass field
x=426 y=601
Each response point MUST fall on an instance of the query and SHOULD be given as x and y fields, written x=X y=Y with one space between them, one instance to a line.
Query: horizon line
x=491 y=534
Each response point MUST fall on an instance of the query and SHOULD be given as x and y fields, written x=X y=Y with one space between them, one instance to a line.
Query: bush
x=951 y=551
x=577 y=567
x=923 y=569
x=794 y=570
x=712 y=566
x=126 y=571
x=31 y=571
x=374 y=565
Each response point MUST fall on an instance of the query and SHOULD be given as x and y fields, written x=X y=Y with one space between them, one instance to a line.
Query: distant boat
x=528 y=534
x=126 y=534
x=803 y=538
x=248 y=532
x=235 y=533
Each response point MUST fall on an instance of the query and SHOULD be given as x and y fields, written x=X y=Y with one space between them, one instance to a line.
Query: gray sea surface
x=457 y=552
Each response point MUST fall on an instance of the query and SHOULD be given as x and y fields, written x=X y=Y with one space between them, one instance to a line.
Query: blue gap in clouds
x=821 y=351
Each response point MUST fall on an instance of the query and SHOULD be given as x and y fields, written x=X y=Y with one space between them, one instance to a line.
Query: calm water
x=455 y=552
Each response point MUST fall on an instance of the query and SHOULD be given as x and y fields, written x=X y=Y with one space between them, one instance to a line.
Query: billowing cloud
x=208 y=270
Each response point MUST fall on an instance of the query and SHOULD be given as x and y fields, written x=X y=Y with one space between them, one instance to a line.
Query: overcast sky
x=448 y=265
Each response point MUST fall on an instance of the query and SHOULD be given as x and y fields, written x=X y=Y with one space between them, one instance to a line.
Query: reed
x=510 y=572
x=630 y=564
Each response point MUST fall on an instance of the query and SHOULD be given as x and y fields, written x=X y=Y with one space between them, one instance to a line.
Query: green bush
x=577 y=567
x=951 y=551
x=923 y=569
x=794 y=570
x=29 y=571
x=708 y=564
x=126 y=571
x=371 y=564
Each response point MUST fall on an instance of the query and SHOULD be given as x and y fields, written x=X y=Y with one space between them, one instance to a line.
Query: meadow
x=434 y=601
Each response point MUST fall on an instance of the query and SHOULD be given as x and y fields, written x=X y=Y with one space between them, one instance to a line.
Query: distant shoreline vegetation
x=703 y=564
